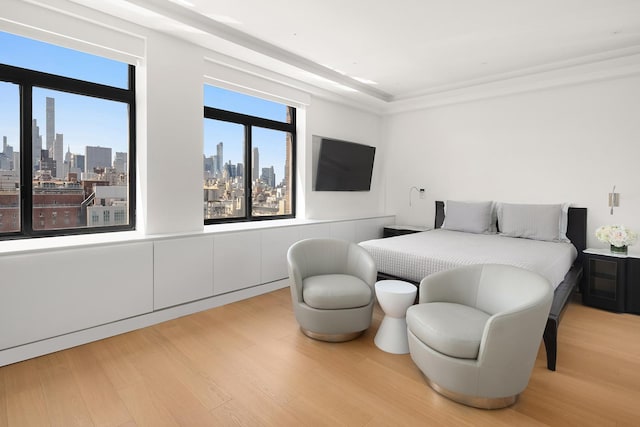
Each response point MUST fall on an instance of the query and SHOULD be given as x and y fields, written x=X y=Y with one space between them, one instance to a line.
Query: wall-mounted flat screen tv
x=344 y=166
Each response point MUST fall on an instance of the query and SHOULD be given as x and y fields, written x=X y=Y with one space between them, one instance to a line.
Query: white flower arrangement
x=616 y=235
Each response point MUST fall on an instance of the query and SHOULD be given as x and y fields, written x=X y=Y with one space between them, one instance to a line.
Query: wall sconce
x=420 y=191
x=614 y=199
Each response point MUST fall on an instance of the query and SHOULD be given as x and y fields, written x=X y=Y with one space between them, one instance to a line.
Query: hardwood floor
x=248 y=364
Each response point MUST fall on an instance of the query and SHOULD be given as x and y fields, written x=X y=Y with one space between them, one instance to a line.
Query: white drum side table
x=394 y=297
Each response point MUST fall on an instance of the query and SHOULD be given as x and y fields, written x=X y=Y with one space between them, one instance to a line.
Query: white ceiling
x=408 y=48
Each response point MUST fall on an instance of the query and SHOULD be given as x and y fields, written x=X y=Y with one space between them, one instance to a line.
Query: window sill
x=41 y=244
x=24 y=246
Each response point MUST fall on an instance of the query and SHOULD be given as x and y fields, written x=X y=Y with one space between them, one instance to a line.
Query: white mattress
x=415 y=256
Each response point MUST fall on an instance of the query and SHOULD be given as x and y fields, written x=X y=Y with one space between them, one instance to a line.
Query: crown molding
x=607 y=65
x=210 y=26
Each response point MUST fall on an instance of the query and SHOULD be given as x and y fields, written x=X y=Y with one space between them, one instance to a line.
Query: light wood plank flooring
x=247 y=364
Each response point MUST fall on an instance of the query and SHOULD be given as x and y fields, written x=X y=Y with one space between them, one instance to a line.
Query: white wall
x=337 y=121
x=160 y=279
x=174 y=136
x=571 y=143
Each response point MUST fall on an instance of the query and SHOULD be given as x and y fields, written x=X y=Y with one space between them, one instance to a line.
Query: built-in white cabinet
x=236 y=261
x=47 y=294
x=359 y=230
x=314 y=231
x=52 y=299
x=182 y=270
x=275 y=243
x=344 y=230
x=371 y=228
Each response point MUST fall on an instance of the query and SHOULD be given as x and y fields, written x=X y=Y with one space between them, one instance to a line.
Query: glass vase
x=619 y=249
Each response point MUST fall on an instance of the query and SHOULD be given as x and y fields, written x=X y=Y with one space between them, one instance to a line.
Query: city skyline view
x=80 y=143
x=76 y=115
x=270 y=144
x=76 y=118
x=78 y=139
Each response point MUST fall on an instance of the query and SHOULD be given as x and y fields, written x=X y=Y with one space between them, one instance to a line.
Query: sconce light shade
x=614 y=199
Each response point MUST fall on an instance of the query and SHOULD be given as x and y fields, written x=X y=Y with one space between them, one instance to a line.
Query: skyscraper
x=120 y=162
x=255 y=162
x=51 y=124
x=58 y=154
x=97 y=157
x=36 y=145
x=219 y=157
x=269 y=176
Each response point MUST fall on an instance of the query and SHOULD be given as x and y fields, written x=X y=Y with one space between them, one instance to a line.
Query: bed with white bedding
x=558 y=258
x=415 y=256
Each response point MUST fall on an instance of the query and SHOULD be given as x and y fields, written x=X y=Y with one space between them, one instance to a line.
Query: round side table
x=394 y=297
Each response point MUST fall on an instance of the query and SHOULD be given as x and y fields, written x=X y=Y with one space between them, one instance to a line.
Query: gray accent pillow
x=537 y=222
x=470 y=217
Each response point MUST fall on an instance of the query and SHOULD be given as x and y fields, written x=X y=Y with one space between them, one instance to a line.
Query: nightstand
x=398 y=230
x=612 y=281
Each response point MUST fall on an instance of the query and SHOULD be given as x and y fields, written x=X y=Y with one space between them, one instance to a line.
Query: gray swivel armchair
x=331 y=285
x=476 y=331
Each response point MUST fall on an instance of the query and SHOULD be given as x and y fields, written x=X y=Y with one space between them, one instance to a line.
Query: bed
x=411 y=257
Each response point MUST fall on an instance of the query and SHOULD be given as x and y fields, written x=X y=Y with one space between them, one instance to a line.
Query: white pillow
x=564 y=222
x=470 y=217
x=538 y=222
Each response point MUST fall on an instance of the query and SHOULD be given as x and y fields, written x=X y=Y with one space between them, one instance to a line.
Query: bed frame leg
x=550 y=338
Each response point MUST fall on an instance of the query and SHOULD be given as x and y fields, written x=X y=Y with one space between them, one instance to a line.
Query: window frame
x=249 y=122
x=26 y=80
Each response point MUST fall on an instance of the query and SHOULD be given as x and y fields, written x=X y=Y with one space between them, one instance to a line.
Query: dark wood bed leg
x=550 y=338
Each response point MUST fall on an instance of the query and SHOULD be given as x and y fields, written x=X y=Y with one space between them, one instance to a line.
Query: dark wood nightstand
x=612 y=281
x=399 y=230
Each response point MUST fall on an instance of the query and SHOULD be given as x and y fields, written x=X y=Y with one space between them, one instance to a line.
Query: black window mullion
x=26 y=159
x=229 y=116
x=65 y=84
x=248 y=183
x=292 y=159
x=131 y=164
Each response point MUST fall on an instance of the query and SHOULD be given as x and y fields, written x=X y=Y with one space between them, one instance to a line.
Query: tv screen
x=344 y=166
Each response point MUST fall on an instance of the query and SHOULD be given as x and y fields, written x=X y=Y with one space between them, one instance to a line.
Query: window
x=249 y=157
x=67 y=123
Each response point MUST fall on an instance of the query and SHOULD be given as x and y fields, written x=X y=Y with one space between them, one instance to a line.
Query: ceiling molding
x=362 y=103
x=523 y=72
x=609 y=67
x=210 y=26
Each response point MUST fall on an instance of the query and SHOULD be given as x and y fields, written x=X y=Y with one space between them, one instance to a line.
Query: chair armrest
x=361 y=264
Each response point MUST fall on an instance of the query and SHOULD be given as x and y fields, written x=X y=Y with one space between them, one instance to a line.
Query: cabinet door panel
x=183 y=270
x=275 y=244
x=367 y=229
x=345 y=230
x=58 y=292
x=605 y=282
x=236 y=261
x=633 y=286
x=315 y=231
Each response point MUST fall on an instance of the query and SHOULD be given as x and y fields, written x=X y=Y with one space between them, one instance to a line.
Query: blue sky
x=86 y=121
x=82 y=120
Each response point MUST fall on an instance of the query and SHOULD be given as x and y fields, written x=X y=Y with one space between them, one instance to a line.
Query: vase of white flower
x=618 y=249
x=619 y=237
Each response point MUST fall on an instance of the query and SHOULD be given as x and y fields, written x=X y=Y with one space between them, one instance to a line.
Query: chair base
x=474 y=401
x=331 y=337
